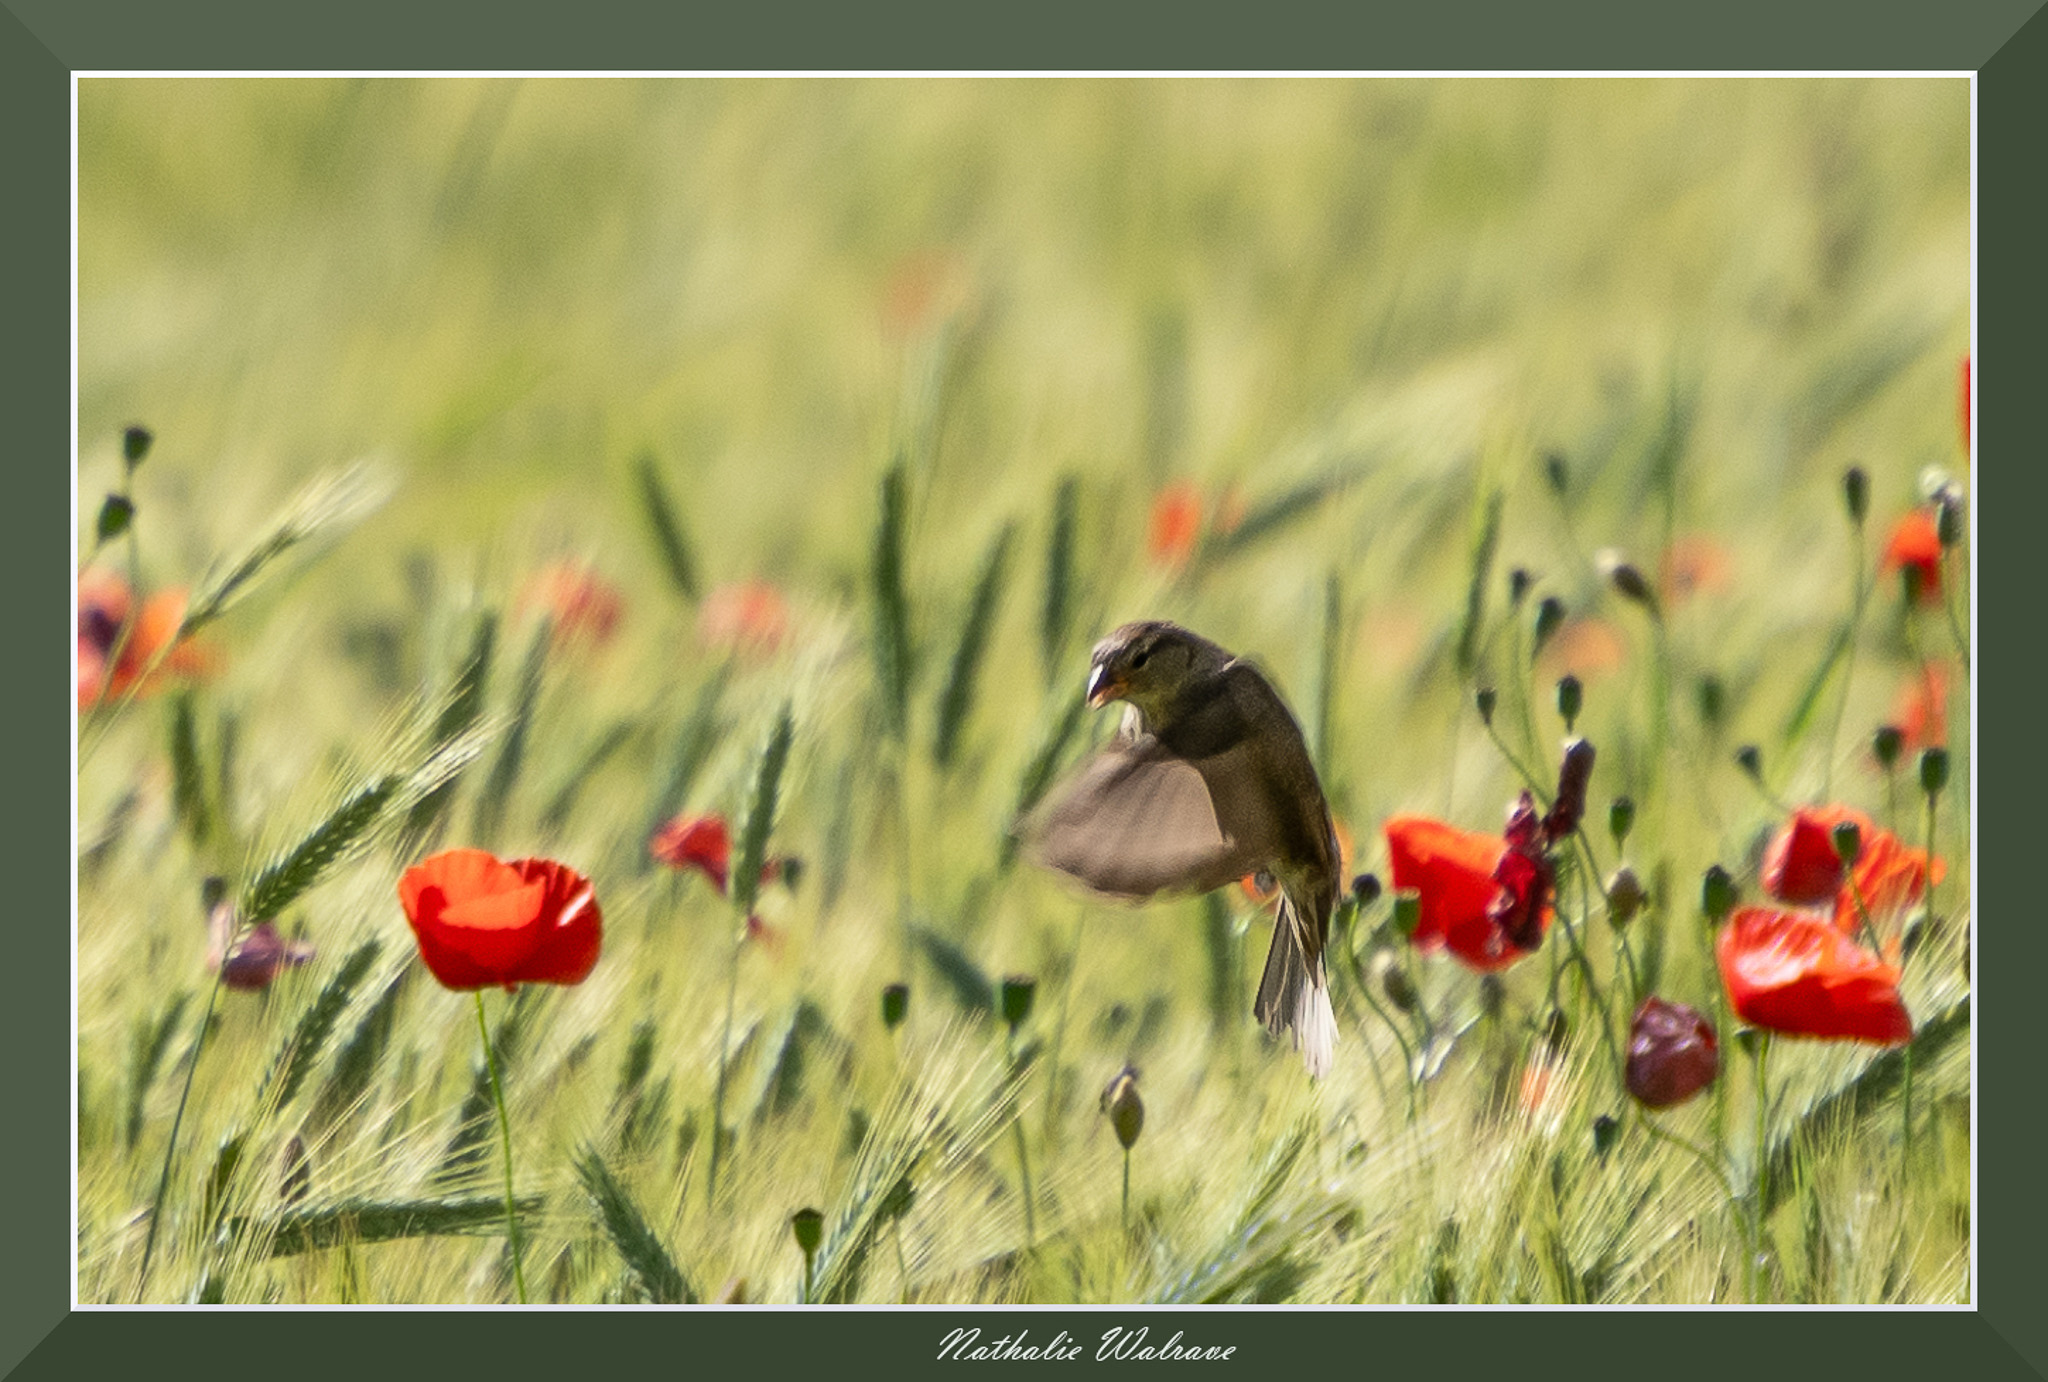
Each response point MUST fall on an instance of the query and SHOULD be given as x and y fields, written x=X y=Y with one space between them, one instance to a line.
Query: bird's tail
x=1294 y=994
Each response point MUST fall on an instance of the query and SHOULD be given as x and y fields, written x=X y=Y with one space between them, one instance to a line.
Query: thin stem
x=1059 y=1031
x=1023 y=1158
x=1763 y=1165
x=1862 y=598
x=156 y=1212
x=1711 y=1163
x=1127 y=1191
x=505 y=1127
x=732 y=984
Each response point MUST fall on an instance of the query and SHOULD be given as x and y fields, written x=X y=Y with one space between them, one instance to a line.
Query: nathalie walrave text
x=1118 y=1345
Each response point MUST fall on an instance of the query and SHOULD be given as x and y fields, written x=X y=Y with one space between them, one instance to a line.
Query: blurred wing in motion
x=1137 y=821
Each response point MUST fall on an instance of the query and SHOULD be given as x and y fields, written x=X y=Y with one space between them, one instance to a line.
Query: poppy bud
x=115 y=515
x=1948 y=518
x=213 y=891
x=1125 y=1109
x=1886 y=744
x=1626 y=578
x=1485 y=701
x=1933 y=771
x=1394 y=981
x=1549 y=615
x=1407 y=910
x=1365 y=888
x=1848 y=841
x=902 y=1195
x=1572 y=778
x=1750 y=759
x=1519 y=581
x=895 y=1004
x=1672 y=1054
x=1554 y=471
x=1856 y=493
x=135 y=445
x=808 y=1225
x=1017 y=993
x=1621 y=818
x=1717 y=893
x=1556 y=1031
x=1625 y=896
x=1605 y=1130
x=1711 y=698
x=1570 y=697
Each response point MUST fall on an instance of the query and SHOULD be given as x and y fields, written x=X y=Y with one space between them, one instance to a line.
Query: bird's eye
x=1140 y=658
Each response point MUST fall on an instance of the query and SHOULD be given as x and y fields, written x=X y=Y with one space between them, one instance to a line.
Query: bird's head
x=1149 y=664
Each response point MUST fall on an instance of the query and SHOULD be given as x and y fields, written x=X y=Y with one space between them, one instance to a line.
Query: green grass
x=920 y=354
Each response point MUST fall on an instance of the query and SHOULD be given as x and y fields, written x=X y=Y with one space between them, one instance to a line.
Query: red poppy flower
x=104 y=606
x=1921 y=710
x=1800 y=864
x=695 y=842
x=481 y=921
x=1915 y=544
x=1176 y=524
x=1800 y=975
x=1889 y=877
x=1672 y=1054
x=748 y=617
x=1453 y=871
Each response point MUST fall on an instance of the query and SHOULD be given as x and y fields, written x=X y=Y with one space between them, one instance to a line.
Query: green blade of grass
x=188 y=778
x=302 y=1050
x=1044 y=765
x=652 y=1268
x=1056 y=611
x=964 y=979
x=326 y=506
x=311 y=1228
x=761 y=809
x=505 y=770
x=460 y=711
x=284 y=879
x=670 y=540
x=958 y=696
x=892 y=643
x=1485 y=541
x=693 y=745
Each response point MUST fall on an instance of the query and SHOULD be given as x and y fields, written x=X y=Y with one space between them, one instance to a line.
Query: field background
x=1362 y=314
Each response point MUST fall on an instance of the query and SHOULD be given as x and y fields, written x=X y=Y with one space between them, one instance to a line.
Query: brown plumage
x=1207 y=782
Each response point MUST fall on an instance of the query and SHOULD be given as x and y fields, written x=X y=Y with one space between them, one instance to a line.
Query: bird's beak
x=1102 y=686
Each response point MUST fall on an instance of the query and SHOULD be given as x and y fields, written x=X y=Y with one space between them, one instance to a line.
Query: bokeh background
x=1357 y=334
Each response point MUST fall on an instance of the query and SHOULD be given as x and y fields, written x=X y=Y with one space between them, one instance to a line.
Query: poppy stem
x=156 y=1211
x=732 y=985
x=1714 y=1164
x=504 y=1127
x=1127 y=1192
x=1955 y=625
x=1862 y=599
x=1758 y=1277
x=1023 y=1158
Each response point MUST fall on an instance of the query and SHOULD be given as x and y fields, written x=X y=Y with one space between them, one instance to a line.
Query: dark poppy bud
x=1621 y=818
x=1711 y=699
x=1717 y=893
x=1554 y=471
x=1848 y=841
x=1556 y=1031
x=213 y=891
x=1017 y=993
x=1394 y=981
x=1933 y=771
x=1549 y=615
x=116 y=513
x=1572 y=777
x=1750 y=759
x=1485 y=701
x=1948 y=518
x=902 y=1195
x=1748 y=1039
x=1365 y=889
x=1627 y=578
x=1856 y=493
x=1407 y=910
x=809 y=1227
x=135 y=445
x=1571 y=696
x=1519 y=581
x=1605 y=1130
x=895 y=1004
x=1915 y=580
x=1125 y=1109
x=1887 y=744
x=1672 y=1053
x=1625 y=896
x=789 y=871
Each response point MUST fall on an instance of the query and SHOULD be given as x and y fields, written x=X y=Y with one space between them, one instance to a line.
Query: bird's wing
x=1136 y=821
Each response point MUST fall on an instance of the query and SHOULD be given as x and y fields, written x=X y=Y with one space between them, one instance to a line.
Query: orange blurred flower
x=1176 y=525
x=1921 y=711
x=108 y=665
x=584 y=606
x=1915 y=544
x=750 y=616
x=1587 y=648
x=1692 y=565
x=1800 y=866
x=1797 y=974
x=923 y=289
x=480 y=921
x=1889 y=877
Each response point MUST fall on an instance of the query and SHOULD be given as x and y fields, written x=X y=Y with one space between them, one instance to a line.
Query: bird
x=1207 y=781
